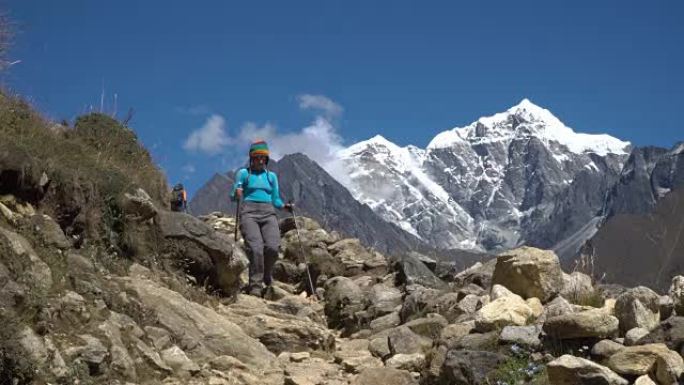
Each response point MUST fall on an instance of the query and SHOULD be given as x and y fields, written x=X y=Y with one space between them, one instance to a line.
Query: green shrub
x=593 y=299
x=519 y=369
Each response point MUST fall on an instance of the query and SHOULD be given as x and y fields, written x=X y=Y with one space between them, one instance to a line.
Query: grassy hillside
x=76 y=174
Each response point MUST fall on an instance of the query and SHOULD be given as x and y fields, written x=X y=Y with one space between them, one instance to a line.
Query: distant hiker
x=256 y=190
x=179 y=198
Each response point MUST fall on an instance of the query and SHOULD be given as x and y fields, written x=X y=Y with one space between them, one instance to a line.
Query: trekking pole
x=301 y=250
x=237 y=219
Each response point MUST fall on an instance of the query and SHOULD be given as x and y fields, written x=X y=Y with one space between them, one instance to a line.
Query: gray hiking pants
x=259 y=228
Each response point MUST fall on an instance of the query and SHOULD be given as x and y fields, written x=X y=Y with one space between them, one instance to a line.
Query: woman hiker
x=256 y=189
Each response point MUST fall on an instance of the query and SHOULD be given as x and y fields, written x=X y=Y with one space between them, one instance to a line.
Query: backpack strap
x=249 y=173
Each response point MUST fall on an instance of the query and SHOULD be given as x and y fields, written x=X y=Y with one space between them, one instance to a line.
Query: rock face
x=201 y=331
x=569 y=370
x=529 y=272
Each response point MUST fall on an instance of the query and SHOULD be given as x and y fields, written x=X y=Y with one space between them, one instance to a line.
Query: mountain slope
x=642 y=238
x=517 y=177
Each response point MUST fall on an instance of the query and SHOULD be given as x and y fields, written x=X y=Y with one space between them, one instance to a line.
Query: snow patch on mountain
x=528 y=119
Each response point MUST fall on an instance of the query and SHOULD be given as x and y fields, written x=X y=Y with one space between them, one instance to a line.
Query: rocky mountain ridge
x=517 y=177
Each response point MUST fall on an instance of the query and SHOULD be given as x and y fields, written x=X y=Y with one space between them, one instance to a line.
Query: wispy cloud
x=189 y=169
x=320 y=103
x=211 y=138
x=319 y=140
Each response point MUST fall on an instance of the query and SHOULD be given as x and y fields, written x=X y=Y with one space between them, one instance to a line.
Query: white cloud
x=211 y=138
x=320 y=103
x=188 y=169
x=319 y=140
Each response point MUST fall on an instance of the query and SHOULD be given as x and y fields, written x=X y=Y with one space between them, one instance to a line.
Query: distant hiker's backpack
x=177 y=195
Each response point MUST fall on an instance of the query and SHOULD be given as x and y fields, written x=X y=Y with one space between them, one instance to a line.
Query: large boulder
x=412 y=271
x=479 y=274
x=504 y=311
x=527 y=336
x=418 y=302
x=454 y=306
x=343 y=299
x=529 y=272
x=277 y=328
x=571 y=370
x=467 y=367
x=430 y=262
x=139 y=205
x=634 y=335
x=404 y=341
x=412 y=362
x=210 y=256
x=388 y=321
x=640 y=360
x=577 y=286
x=453 y=333
x=356 y=258
x=383 y=299
x=558 y=306
x=638 y=307
x=594 y=323
x=603 y=349
x=669 y=368
x=354 y=355
x=49 y=231
x=429 y=326
x=669 y=332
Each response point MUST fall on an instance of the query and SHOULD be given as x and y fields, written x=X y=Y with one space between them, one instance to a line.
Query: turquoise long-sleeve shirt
x=262 y=187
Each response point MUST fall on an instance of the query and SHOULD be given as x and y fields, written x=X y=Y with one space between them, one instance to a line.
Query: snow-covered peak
x=528 y=119
x=376 y=141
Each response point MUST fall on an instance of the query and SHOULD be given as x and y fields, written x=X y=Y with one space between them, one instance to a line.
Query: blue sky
x=346 y=71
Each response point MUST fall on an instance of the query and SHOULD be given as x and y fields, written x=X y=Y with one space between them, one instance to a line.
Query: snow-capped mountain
x=520 y=176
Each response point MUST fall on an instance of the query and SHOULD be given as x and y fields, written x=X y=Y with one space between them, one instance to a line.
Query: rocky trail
x=78 y=316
